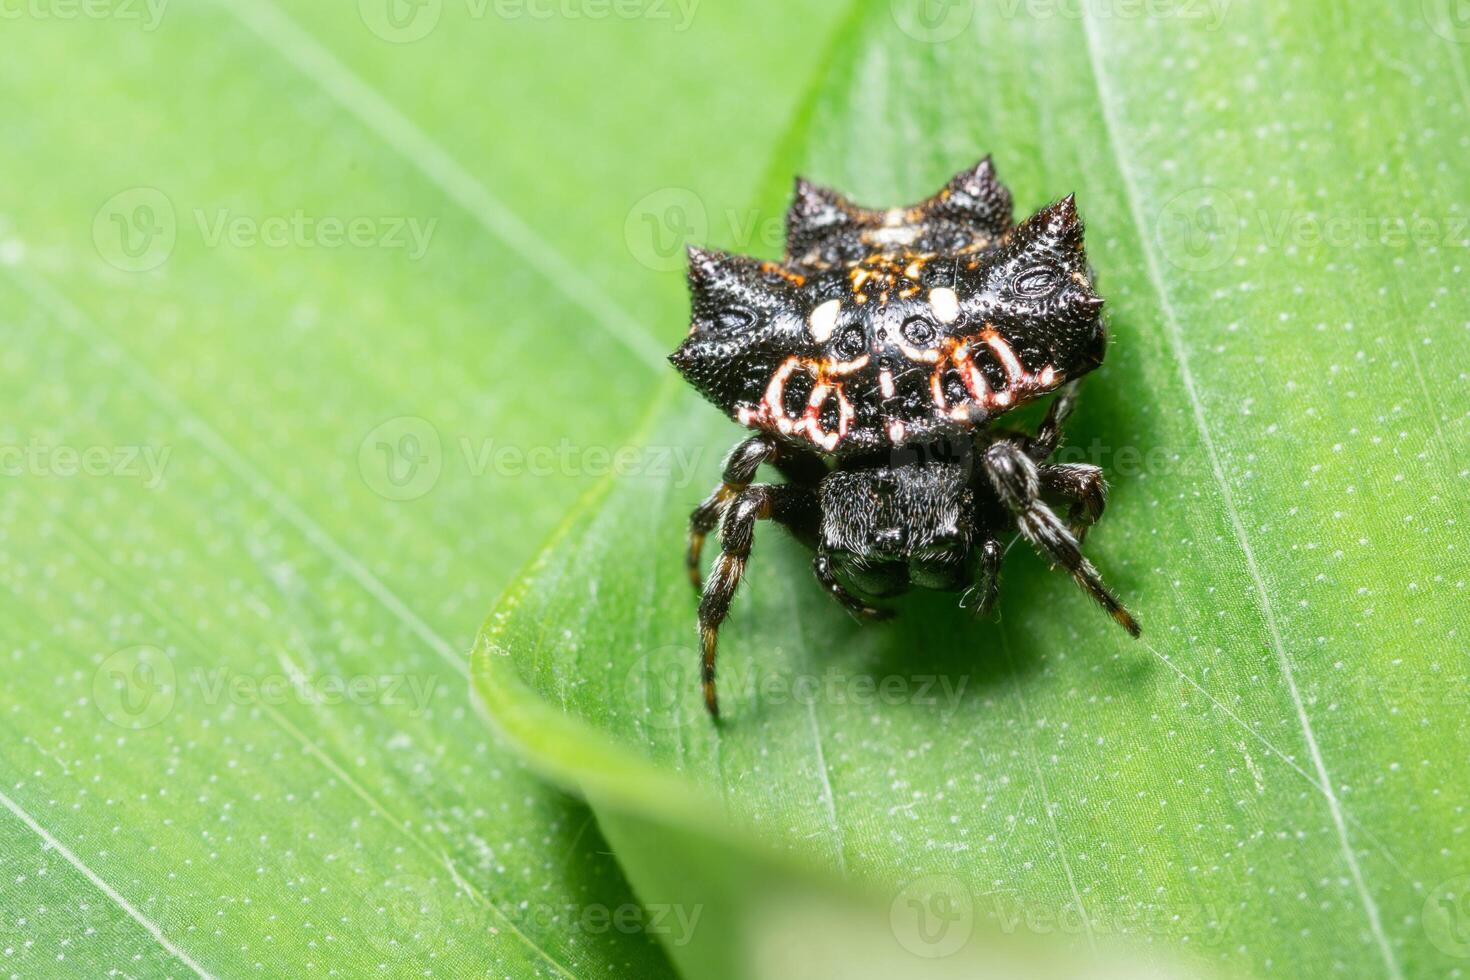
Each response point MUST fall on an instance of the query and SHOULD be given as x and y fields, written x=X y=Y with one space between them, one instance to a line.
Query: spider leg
x=793 y=506
x=740 y=468
x=822 y=566
x=1049 y=433
x=987 y=578
x=1014 y=476
x=1084 y=486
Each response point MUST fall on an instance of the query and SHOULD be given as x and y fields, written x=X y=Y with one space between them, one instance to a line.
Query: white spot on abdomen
x=824 y=320
x=945 y=303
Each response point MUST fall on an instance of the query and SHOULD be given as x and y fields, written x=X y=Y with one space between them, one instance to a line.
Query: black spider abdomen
x=887 y=328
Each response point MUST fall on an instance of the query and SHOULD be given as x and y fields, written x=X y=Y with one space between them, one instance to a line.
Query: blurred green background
x=323 y=317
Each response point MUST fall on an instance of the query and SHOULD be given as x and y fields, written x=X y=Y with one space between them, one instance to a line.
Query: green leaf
x=1272 y=779
x=252 y=510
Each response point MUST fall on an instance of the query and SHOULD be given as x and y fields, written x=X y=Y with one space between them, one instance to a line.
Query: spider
x=871 y=365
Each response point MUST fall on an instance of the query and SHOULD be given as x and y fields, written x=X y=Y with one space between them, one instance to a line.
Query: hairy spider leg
x=794 y=506
x=987 y=577
x=1082 y=484
x=1049 y=433
x=803 y=469
x=827 y=576
x=1017 y=482
x=740 y=468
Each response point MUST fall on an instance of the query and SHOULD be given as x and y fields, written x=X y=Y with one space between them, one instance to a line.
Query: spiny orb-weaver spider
x=872 y=363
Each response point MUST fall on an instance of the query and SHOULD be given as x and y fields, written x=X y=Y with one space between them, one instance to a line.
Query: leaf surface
x=255 y=497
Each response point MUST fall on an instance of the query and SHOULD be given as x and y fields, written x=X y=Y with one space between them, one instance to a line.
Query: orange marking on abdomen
x=1015 y=372
x=936 y=389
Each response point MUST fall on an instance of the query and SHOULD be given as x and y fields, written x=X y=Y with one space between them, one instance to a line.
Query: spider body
x=872 y=365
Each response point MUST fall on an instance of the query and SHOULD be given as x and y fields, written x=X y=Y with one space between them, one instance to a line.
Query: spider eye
x=1035 y=282
x=851 y=342
x=730 y=320
x=919 y=331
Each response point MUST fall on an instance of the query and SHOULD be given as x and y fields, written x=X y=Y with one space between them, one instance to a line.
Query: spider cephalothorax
x=886 y=333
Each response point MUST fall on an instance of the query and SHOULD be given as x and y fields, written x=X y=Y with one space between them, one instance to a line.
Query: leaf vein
x=408 y=140
x=128 y=908
x=1108 y=103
